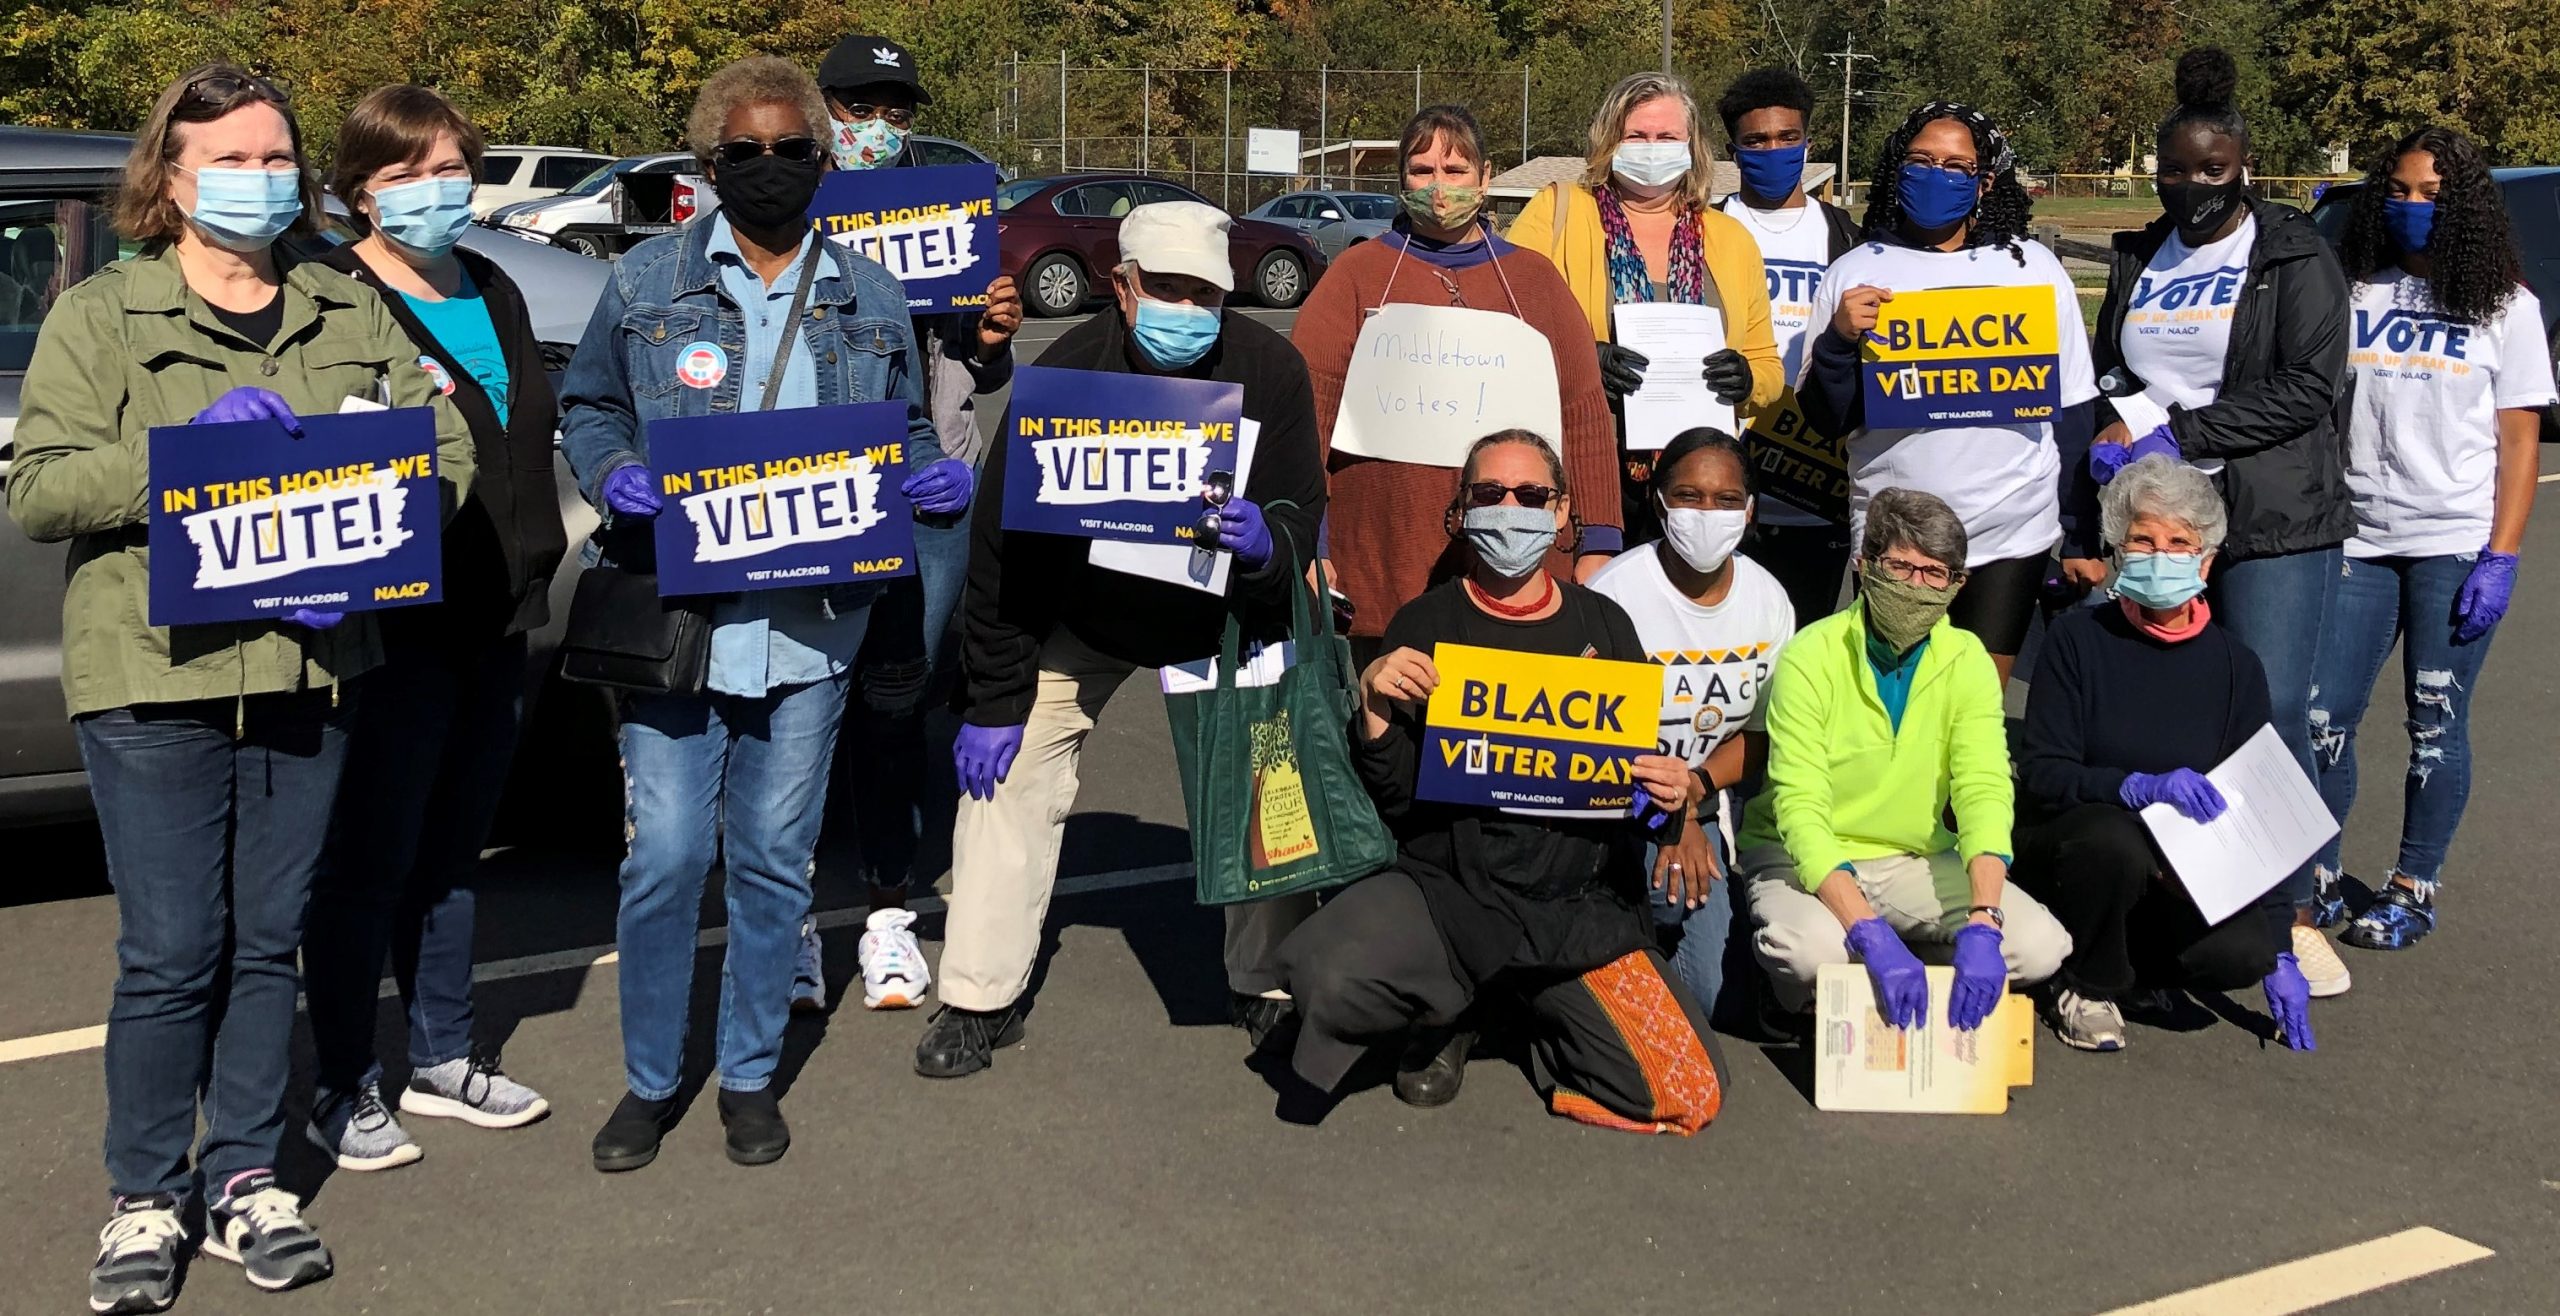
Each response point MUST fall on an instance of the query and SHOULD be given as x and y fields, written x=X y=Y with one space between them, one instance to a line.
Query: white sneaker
x=894 y=976
x=2321 y=966
x=2085 y=1024
x=809 y=972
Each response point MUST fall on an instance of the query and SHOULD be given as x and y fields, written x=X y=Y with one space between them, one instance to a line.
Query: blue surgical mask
x=427 y=216
x=1510 y=540
x=1173 y=334
x=1650 y=167
x=1934 y=198
x=2411 y=224
x=244 y=209
x=2159 y=581
x=868 y=144
x=1773 y=174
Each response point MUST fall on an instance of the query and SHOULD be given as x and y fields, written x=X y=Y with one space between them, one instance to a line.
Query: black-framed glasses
x=798 y=150
x=898 y=117
x=1934 y=575
x=1490 y=493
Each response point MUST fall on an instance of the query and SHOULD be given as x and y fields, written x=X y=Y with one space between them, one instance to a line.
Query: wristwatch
x=1998 y=919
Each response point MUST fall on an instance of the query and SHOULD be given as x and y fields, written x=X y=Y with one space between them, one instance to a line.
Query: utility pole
x=1062 y=112
x=1848 y=62
x=1666 y=36
x=1324 y=102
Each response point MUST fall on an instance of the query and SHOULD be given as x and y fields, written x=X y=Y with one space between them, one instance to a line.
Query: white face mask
x=1704 y=539
x=1650 y=168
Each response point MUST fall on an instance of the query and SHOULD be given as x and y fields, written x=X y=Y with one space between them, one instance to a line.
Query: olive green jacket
x=132 y=347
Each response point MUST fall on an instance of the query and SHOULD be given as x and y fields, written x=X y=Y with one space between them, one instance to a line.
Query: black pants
x=1998 y=602
x=1809 y=561
x=2131 y=923
x=1623 y=1046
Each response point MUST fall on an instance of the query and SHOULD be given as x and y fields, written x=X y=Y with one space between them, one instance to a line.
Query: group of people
x=2269 y=464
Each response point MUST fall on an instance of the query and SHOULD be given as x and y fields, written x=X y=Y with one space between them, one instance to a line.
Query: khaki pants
x=1004 y=851
x=1924 y=899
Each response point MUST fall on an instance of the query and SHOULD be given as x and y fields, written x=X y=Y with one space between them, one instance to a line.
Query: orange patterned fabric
x=1687 y=1092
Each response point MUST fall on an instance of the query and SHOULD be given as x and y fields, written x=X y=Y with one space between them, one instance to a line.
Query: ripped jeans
x=2380 y=600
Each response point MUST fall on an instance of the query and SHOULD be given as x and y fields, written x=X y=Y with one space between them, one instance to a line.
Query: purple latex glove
x=982 y=756
x=1982 y=977
x=633 y=492
x=1902 y=986
x=2289 y=1003
x=2484 y=595
x=250 y=404
x=2185 y=790
x=1243 y=532
x=2105 y=459
x=316 y=620
x=942 y=488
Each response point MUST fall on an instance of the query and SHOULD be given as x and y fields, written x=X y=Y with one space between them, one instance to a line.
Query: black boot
x=1261 y=1017
x=757 y=1135
x=958 y=1042
x=1433 y=1067
x=630 y=1136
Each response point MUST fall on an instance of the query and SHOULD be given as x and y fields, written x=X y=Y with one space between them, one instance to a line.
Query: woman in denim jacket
x=691 y=325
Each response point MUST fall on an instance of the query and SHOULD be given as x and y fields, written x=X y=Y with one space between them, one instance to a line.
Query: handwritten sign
x=778 y=499
x=1533 y=731
x=1957 y=356
x=935 y=229
x=1797 y=463
x=1100 y=455
x=1427 y=381
x=249 y=523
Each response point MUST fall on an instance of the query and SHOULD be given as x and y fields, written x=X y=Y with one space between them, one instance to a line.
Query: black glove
x=1728 y=377
x=1621 y=370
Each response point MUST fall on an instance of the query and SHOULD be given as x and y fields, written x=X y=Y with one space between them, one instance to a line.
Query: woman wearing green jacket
x=213 y=751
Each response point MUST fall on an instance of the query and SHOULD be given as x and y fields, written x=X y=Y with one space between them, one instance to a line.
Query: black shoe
x=630 y=1136
x=757 y=1135
x=1428 y=1077
x=958 y=1042
x=1261 y=1017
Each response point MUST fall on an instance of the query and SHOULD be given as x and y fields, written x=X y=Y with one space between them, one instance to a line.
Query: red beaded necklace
x=1501 y=609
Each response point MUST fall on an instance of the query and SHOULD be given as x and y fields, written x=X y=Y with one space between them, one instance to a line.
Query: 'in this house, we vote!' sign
x=1100 y=455
x=777 y=499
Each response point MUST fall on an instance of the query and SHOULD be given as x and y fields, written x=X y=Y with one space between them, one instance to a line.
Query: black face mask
x=768 y=192
x=2197 y=209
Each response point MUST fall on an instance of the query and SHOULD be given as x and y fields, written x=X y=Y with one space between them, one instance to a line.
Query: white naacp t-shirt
x=1715 y=661
x=2422 y=437
x=1998 y=478
x=1795 y=248
x=2177 y=323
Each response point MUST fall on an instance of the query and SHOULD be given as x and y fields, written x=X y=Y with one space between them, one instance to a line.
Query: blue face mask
x=244 y=209
x=2411 y=224
x=1510 y=540
x=1173 y=335
x=1934 y=198
x=2160 y=581
x=426 y=216
x=1773 y=174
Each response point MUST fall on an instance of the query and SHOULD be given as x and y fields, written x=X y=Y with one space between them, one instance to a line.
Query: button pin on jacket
x=268 y=366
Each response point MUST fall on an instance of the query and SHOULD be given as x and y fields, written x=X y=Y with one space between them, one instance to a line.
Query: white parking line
x=2318 y=1281
x=70 y=1040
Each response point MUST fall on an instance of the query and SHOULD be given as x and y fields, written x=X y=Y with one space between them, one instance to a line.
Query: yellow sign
x=1527 y=730
x=1945 y=356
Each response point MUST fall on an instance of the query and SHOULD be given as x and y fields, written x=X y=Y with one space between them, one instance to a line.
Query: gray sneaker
x=260 y=1226
x=361 y=1133
x=137 y=1265
x=2086 y=1024
x=475 y=1091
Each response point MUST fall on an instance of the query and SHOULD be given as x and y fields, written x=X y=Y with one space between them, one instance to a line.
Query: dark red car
x=1061 y=239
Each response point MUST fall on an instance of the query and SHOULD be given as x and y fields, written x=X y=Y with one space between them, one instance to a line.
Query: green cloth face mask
x=1901 y=611
x=1443 y=206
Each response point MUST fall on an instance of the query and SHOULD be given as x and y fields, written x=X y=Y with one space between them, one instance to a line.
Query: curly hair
x=755 y=80
x=1763 y=89
x=2471 y=254
x=1999 y=219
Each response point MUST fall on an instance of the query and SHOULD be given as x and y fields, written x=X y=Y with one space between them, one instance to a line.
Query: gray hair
x=755 y=80
x=2160 y=485
x=1921 y=522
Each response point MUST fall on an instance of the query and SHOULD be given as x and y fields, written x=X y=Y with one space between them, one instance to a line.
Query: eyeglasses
x=799 y=150
x=861 y=113
x=1909 y=572
x=1965 y=167
x=227 y=88
x=1489 y=493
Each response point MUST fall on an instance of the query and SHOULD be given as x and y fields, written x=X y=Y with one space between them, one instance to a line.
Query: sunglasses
x=1489 y=493
x=798 y=150
x=225 y=89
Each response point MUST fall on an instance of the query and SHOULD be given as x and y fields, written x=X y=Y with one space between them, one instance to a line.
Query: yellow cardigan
x=1581 y=252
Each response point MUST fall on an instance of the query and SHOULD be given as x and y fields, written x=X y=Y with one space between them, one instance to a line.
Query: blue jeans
x=2280 y=607
x=426 y=768
x=891 y=767
x=2409 y=599
x=211 y=842
x=743 y=780
x=1698 y=959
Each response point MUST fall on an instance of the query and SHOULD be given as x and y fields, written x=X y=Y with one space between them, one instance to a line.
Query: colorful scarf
x=1628 y=280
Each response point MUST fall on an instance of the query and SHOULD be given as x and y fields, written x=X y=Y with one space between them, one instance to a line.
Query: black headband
x=2002 y=158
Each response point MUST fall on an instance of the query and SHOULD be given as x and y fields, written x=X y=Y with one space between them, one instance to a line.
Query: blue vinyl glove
x=2105 y=459
x=2483 y=597
x=2289 y=1003
x=633 y=492
x=2185 y=790
x=250 y=404
x=1982 y=977
x=942 y=488
x=316 y=620
x=982 y=756
x=1902 y=986
x=1243 y=532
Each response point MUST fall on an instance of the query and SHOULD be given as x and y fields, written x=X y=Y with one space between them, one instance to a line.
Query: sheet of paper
x=1861 y=1064
x=1677 y=339
x=1260 y=665
x=2272 y=821
x=1181 y=564
x=1425 y=382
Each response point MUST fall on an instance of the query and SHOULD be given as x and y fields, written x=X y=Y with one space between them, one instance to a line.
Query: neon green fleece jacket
x=1845 y=785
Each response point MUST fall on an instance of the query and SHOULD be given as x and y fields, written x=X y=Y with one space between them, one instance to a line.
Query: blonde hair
x=755 y=80
x=145 y=210
x=1609 y=126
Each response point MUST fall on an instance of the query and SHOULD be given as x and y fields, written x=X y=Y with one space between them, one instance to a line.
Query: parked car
x=1334 y=221
x=1060 y=236
x=509 y=174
